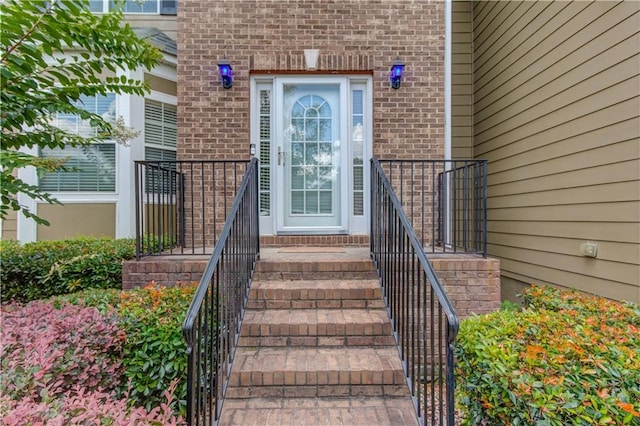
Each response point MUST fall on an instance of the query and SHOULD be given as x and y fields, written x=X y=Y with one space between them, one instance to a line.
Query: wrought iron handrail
x=445 y=201
x=212 y=325
x=181 y=205
x=424 y=320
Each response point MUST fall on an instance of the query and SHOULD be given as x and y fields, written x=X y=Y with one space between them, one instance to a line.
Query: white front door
x=313 y=137
x=311 y=158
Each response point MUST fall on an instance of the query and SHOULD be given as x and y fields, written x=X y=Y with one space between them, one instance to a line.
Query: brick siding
x=471 y=282
x=270 y=37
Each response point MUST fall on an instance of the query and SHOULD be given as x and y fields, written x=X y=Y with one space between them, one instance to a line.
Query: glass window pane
x=326 y=130
x=297 y=153
x=311 y=178
x=160 y=123
x=326 y=153
x=265 y=200
x=358 y=204
x=357 y=102
x=325 y=110
x=326 y=177
x=317 y=102
x=311 y=131
x=265 y=129
x=298 y=110
x=297 y=202
x=312 y=202
x=96 y=5
x=136 y=6
x=357 y=123
x=326 y=202
x=357 y=178
x=297 y=129
x=297 y=178
x=265 y=102
x=305 y=101
x=265 y=152
x=311 y=153
x=91 y=168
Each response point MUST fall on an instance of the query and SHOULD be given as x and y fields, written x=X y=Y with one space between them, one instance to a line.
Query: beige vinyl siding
x=10 y=226
x=167 y=24
x=461 y=81
x=161 y=85
x=557 y=114
x=77 y=219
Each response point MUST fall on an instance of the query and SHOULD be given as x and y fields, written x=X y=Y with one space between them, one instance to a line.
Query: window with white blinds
x=265 y=151
x=357 y=144
x=160 y=138
x=89 y=168
x=130 y=6
x=160 y=125
x=105 y=106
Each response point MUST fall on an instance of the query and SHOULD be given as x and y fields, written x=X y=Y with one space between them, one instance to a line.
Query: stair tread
x=301 y=316
x=304 y=359
x=316 y=322
x=336 y=411
x=367 y=283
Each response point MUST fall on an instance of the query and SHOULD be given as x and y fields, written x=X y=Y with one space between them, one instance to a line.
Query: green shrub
x=46 y=268
x=62 y=364
x=104 y=300
x=566 y=359
x=154 y=352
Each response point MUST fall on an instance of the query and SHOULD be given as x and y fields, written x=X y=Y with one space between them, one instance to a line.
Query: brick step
x=316 y=327
x=321 y=294
x=316 y=372
x=312 y=411
x=316 y=241
x=322 y=266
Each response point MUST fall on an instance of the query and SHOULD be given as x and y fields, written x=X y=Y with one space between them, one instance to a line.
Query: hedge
x=567 y=358
x=96 y=357
x=47 y=268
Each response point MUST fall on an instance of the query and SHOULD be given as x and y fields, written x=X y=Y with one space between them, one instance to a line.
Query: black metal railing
x=212 y=324
x=445 y=202
x=424 y=321
x=181 y=206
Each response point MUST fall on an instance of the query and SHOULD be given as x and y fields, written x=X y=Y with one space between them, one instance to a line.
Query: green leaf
x=33 y=87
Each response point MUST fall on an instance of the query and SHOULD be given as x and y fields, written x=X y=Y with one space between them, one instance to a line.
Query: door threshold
x=312 y=233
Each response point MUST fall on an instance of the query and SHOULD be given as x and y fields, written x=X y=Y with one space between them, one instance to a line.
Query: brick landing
x=471 y=282
x=316 y=346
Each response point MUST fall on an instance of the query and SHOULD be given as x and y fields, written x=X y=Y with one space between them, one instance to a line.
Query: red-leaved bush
x=49 y=351
x=78 y=407
x=61 y=366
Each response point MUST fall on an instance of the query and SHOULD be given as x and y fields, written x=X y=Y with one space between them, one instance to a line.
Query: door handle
x=281 y=156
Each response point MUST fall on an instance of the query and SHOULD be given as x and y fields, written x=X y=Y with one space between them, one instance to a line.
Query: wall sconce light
x=226 y=73
x=395 y=76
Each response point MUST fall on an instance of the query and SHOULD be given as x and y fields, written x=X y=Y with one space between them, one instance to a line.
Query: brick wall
x=163 y=271
x=352 y=35
x=471 y=282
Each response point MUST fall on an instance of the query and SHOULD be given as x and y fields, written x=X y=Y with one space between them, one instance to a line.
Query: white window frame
x=92 y=196
x=106 y=3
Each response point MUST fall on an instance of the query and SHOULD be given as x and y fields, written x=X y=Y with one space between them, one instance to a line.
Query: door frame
x=278 y=184
x=352 y=223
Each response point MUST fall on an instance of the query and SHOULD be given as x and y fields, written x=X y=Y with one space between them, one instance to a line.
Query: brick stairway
x=316 y=346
